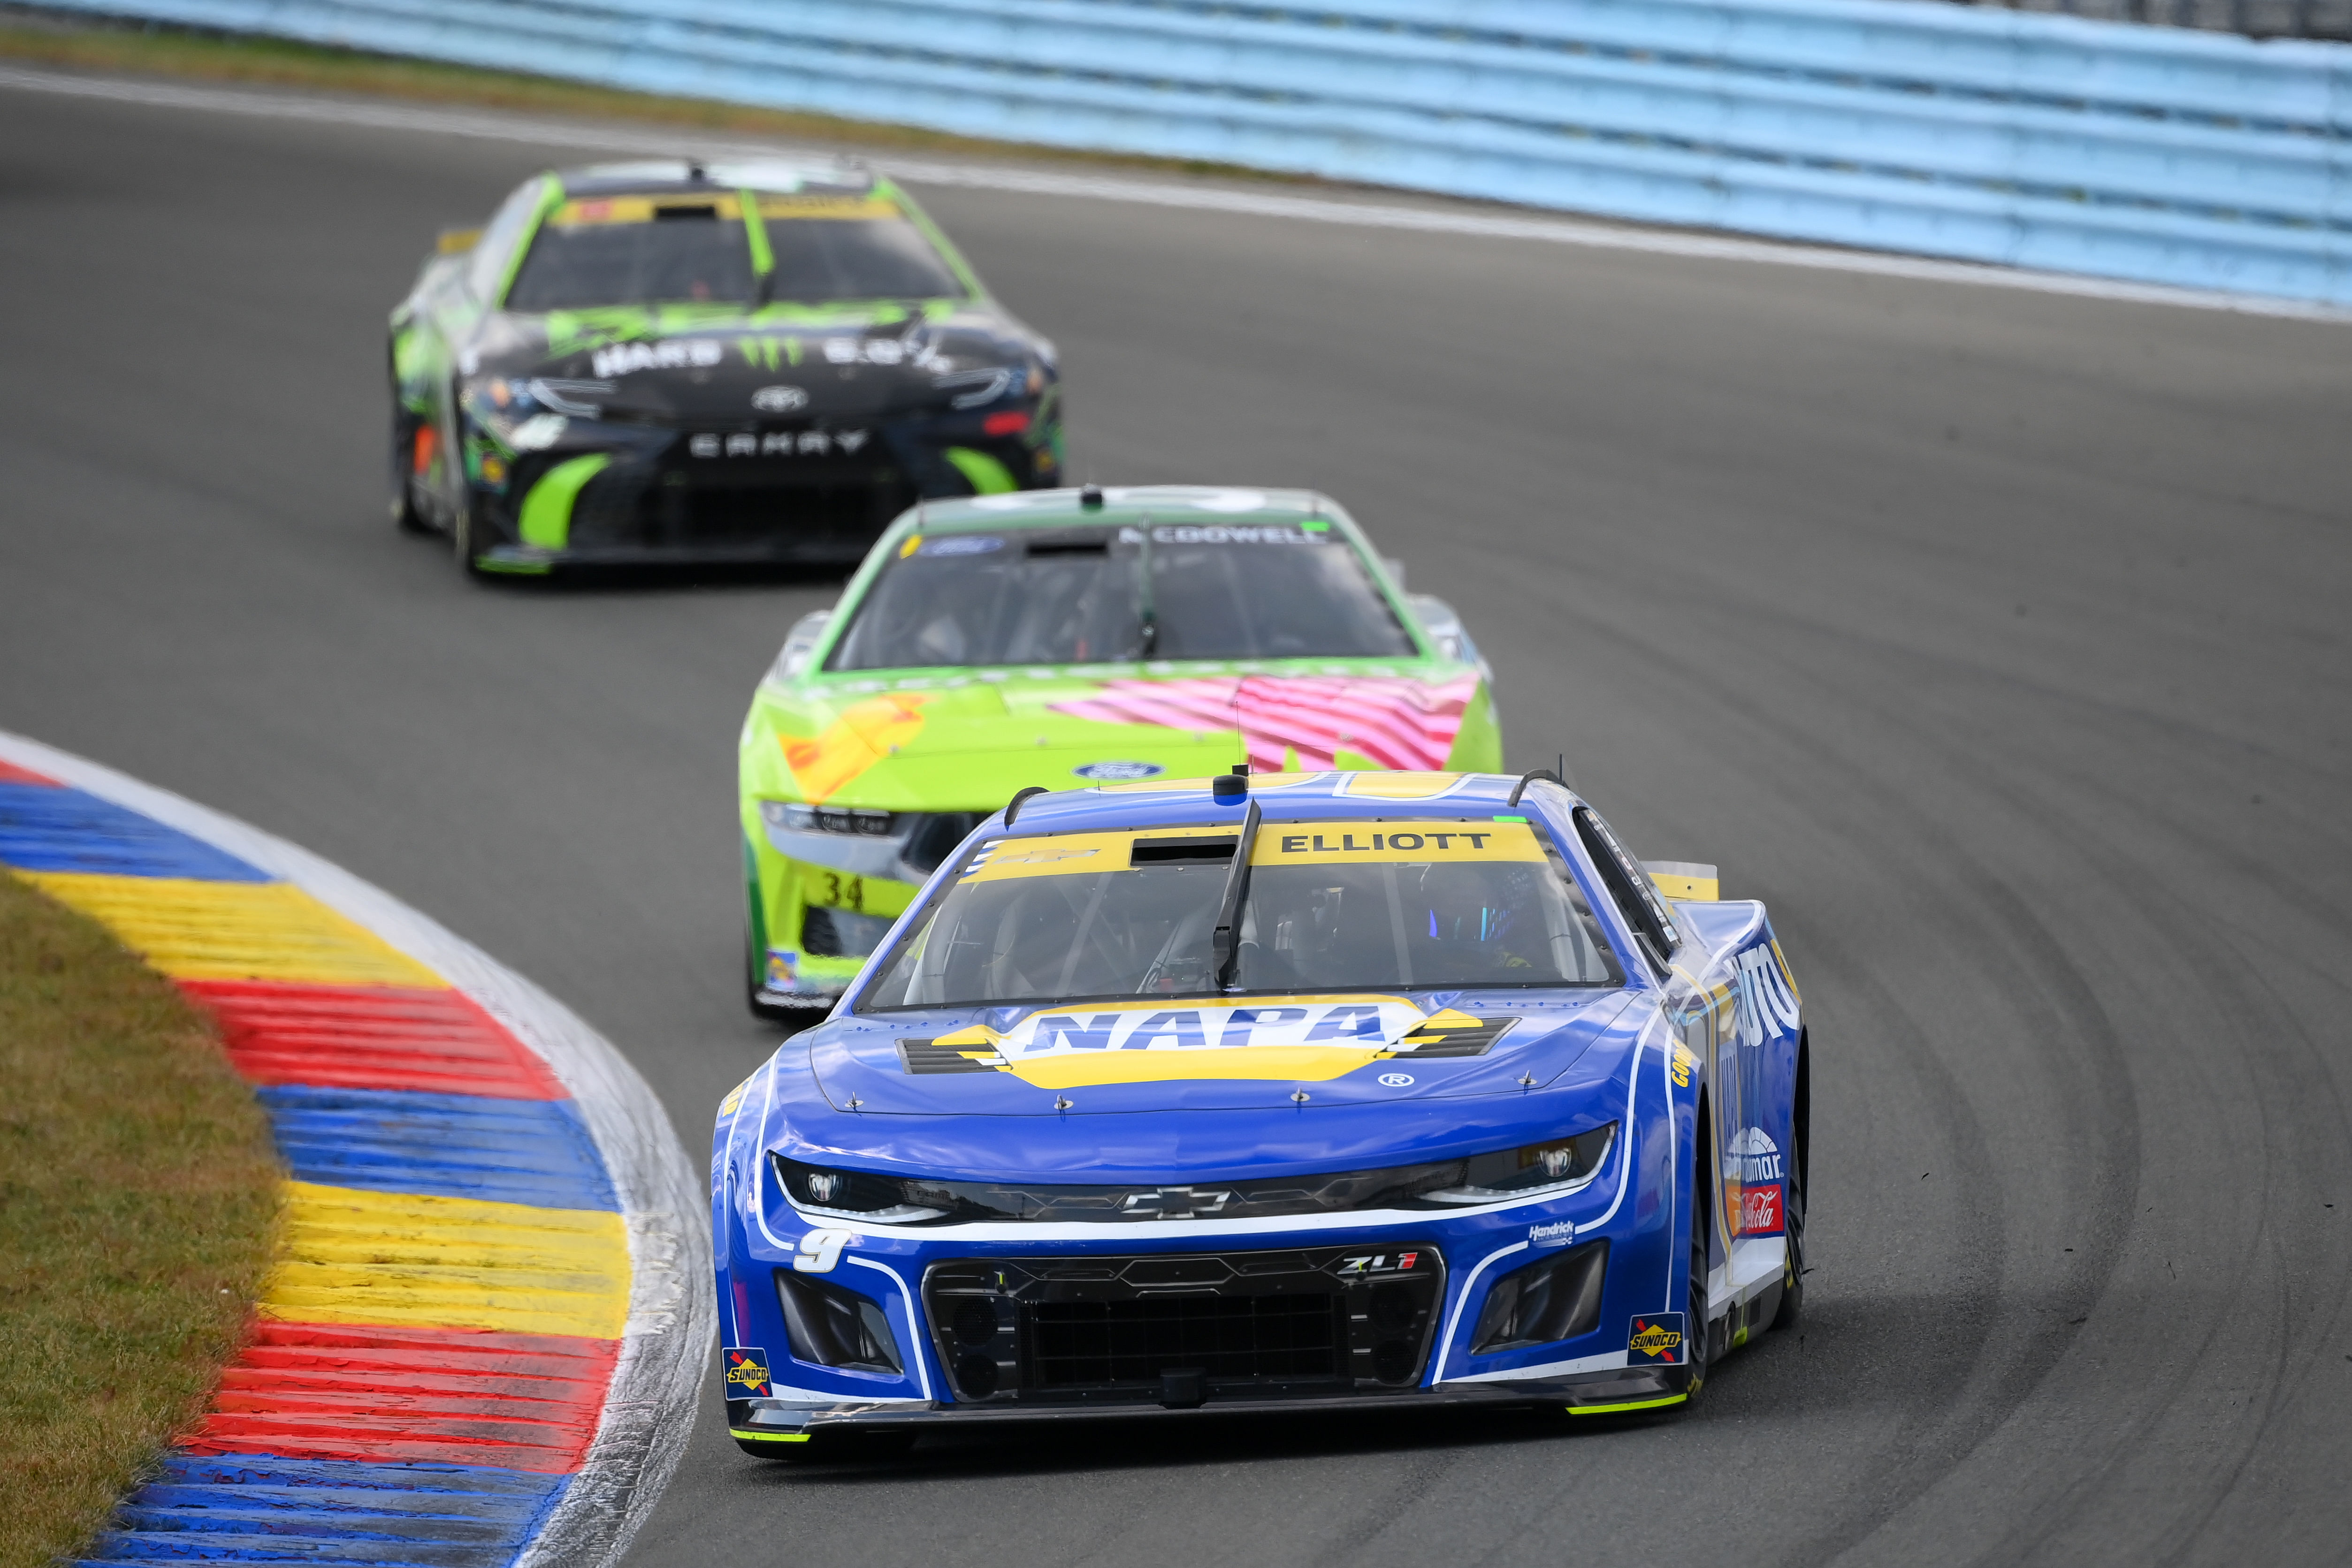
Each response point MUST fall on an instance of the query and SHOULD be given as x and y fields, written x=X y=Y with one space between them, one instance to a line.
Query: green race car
x=732 y=363
x=1058 y=638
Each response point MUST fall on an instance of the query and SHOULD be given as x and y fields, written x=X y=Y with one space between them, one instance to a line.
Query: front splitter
x=758 y=1421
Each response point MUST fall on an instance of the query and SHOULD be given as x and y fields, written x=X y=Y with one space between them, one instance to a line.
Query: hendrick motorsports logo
x=1110 y=772
x=1655 y=1339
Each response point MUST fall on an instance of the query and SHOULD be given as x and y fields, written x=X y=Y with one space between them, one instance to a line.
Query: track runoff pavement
x=1996 y=637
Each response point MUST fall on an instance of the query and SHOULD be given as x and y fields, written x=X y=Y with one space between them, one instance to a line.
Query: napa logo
x=1288 y=1038
x=1655 y=1338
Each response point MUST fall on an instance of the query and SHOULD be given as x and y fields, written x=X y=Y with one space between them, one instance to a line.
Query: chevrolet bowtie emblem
x=1174 y=1202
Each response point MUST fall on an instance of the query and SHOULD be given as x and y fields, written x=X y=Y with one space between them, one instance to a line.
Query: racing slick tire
x=1698 y=1337
x=399 y=498
x=835 y=1449
x=461 y=531
x=1791 y=1310
x=400 y=495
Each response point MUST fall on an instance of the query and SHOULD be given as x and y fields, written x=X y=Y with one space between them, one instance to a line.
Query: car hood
x=1327 y=1049
x=724 y=364
x=918 y=742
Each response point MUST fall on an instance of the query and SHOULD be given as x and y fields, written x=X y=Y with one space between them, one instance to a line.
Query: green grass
x=138 y=1202
x=90 y=44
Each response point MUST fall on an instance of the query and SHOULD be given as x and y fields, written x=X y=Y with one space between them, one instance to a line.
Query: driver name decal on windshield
x=1368 y=909
x=1305 y=1038
x=1223 y=534
x=1324 y=843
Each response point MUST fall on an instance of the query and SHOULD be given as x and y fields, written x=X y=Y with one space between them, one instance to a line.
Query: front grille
x=811 y=519
x=812 y=510
x=836 y=934
x=1117 y=1330
x=1081 y=1344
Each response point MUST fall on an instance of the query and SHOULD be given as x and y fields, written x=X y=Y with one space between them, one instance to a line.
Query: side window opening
x=1636 y=898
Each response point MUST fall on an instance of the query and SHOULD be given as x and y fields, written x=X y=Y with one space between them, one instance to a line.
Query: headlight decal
x=1650 y=1038
x=1528 y=1173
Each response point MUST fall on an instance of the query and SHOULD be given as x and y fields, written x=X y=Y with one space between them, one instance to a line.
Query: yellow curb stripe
x=234 y=930
x=413 y=1261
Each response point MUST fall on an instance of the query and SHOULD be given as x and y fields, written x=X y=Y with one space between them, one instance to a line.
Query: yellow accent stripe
x=1400 y=785
x=768 y=1437
x=1626 y=1405
x=1087 y=1069
x=234 y=930
x=407 y=1259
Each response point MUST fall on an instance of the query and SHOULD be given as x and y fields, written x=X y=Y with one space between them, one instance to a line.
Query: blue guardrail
x=2152 y=153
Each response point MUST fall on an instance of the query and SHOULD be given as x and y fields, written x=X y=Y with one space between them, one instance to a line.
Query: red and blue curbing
x=480 y=1339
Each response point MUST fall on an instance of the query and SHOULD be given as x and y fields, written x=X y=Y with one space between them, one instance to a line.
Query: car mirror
x=1443 y=624
x=800 y=644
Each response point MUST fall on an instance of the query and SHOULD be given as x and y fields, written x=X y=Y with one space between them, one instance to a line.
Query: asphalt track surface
x=1997 y=640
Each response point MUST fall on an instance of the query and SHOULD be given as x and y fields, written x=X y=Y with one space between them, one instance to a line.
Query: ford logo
x=779 y=399
x=1112 y=772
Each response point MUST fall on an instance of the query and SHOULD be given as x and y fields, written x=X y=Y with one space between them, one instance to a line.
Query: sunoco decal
x=746 y=1373
x=1654 y=1339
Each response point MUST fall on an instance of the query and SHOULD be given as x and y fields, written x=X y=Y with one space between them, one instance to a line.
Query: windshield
x=636 y=250
x=1155 y=591
x=1380 y=904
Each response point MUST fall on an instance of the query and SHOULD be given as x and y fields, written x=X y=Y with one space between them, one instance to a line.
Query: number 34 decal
x=838 y=892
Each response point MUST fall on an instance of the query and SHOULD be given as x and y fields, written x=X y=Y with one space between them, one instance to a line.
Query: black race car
x=732 y=363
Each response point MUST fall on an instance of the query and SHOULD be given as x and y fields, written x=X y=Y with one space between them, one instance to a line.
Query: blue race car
x=1291 y=1091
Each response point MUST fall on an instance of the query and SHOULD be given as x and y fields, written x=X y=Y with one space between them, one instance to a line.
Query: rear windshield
x=1155 y=591
x=1386 y=904
x=633 y=250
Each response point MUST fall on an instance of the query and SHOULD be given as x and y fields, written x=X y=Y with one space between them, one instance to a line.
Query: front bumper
x=619 y=494
x=1123 y=1320
x=784 y=1422
x=820 y=902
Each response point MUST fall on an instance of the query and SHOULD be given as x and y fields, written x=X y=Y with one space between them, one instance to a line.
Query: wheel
x=1793 y=1206
x=400 y=497
x=461 y=530
x=792 y=1017
x=1696 y=1338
